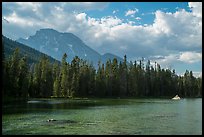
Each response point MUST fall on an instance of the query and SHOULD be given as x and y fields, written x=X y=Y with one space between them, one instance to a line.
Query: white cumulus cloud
x=196 y=8
x=190 y=57
x=131 y=12
x=138 y=18
x=115 y=11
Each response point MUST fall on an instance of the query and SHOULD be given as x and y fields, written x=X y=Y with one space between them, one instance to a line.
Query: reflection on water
x=104 y=116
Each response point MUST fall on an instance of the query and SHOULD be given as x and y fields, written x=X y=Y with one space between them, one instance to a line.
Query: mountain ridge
x=55 y=44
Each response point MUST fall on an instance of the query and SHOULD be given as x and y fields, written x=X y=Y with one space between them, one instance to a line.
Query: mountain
x=55 y=44
x=110 y=56
x=32 y=54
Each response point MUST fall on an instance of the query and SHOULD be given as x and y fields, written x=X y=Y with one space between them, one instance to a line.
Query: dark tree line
x=80 y=79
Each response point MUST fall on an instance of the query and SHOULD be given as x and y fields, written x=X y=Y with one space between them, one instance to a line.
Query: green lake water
x=104 y=116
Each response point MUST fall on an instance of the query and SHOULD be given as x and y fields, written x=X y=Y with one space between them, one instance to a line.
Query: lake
x=104 y=116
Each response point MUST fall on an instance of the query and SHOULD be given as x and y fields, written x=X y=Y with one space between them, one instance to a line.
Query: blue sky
x=145 y=9
x=169 y=33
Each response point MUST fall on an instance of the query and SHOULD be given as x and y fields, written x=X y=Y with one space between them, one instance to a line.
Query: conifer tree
x=64 y=77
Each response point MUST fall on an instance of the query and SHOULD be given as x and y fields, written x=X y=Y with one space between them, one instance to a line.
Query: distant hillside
x=32 y=54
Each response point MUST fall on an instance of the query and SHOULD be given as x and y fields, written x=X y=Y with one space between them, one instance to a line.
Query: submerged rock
x=61 y=121
x=69 y=121
x=50 y=120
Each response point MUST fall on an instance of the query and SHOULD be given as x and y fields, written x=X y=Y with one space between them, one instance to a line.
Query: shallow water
x=104 y=116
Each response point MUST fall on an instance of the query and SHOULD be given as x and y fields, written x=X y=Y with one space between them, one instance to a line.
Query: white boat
x=176 y=97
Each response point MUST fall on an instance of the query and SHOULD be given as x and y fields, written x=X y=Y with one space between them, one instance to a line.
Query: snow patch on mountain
x=70 y=45
x=56 y=49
